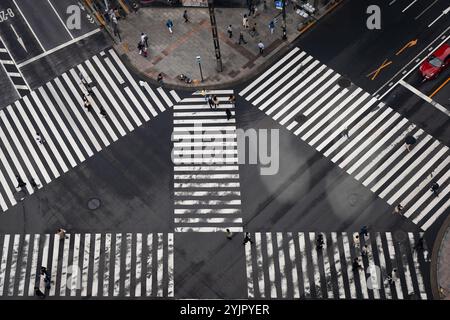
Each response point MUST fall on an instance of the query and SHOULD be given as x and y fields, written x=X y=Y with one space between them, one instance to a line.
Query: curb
x=435 y=258
x=282 y=51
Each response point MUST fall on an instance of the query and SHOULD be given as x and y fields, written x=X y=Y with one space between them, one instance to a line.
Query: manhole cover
x=300 y=118
x=400 y=235
x=344 y=83
x=94 y=203
x=20 y=195
x=352 y=199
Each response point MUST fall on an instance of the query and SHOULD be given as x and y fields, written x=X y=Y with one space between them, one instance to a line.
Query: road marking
x=68 y=43
x=377 y=71
x=426 y=9
x=440 y=16
x=424 y=97
x=439 y=88
x=31 y=29
x=392 y=2
x=410 y=44
x=409 y=6
x=62 y=22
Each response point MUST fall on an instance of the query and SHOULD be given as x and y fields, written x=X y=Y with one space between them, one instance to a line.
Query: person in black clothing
x=319 y=242
x=247 y=238
x=228 y=112
x=419 y=245
x=364 y=231
x=33 y=183
x=356 y=266
x=87 y=104
x=21 y=183
x=210 y=102
x=435 y=188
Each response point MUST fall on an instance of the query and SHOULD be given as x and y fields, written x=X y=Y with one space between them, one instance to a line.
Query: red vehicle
x=436 y=62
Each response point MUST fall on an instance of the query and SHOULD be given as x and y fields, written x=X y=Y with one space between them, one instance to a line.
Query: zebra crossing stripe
x=138 y=280
x=23 y=265
x=13 y=264
x=338 y=266
x=249 y=270
x=107 y=264
x=117 y=253
x=387 y=290
x=33 y=266
x=4 y=262
x=327 y=267
x=391 y=250
x=170 y=265
x=304 y=265
x=95 y=270
x=75 y=267
x=149 y=263
x=175 y=96
x=65 y=265
x=128 y=265
x=54 y=270
x=85 y=265
x=415 y=255
x=160 y=262
x=114 y=70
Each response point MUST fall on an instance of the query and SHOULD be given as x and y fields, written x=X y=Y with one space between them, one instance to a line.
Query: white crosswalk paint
x=76 y=268
x=312 y=102
x=312 y=272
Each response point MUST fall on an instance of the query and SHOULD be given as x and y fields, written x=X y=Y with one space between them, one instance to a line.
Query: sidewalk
x=174 y=54
x=442 y=263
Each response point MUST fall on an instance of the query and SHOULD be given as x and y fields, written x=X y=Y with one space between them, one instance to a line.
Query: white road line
x=372 y=268
x=110 y=96
x=75 y=276
x=337 y=265
x=127 y=286
x=207 y=211
x=282 y=264
x=293 y=260
x=208 y=229
x=98 y=238
x=431 y=204
x=117 y=254
x=436 y=215
x=149 y=264
x=85 y=265
x=406 y=8
x=271 y=265
x=426 y=9
x=348 y=259
x=23 y=265
x=55 y=255
x=207 y=185
x=111 y=115
x=137 y=104
x=304 y=258
x=165 y=97
x=423 y=293
x=59 y=18
x=208 y=220
x=29 y=26
x=327 y=270
x=317 y=282
x=53 y=129
x=424 y=97
x=440 y=16
x=384 y=272
x=6 y=186
x=207 y=203
x=107 y=263
x=160 y=264
x=206 y=176
x=406 y=271
x=33 y=267
x=86 y=35
x=155 y=99
x=65 y=257
x=391 y=250
x=260 y=265
x=114 y=70
x=176 y=97
x=4 y=262
x=138 y=280
x=170 y=265
x=206 y=168
x=13 y=264
x=249 y=271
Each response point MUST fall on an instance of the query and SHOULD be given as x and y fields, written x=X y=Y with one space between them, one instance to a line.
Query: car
x=436 y=62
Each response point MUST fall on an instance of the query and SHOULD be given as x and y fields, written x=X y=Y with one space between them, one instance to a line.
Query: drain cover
x=93 y=203
x=400 y=235
x=300 y=118
x=344 y=83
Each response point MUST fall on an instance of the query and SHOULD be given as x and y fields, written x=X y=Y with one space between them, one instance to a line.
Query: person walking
x=215 y=101
x=245 y=22
x=253 y=31
x=21 y=183
x=39 y=138
x=169 y=25
x=160 y=79
x=363 y=231
x=88 y=105
x=61 y=233
x=271 y=26
x=229 y=234
x=241 y=38
x=356 y=240
x=247 y=238
x=144 y=39
x=419 y=245
x=356 y=265
x=210 y=102
x=393 y=276
x=364 y=250
x=228 y=113
x=185 y=16
x=103 y=112
x=261 y=47
x=398 y=209
x=230 y=31
x=232 y=100
x=47 y=278
x=319 y=242
x=33 y=183
x=435 y=188
x=38 y=292
x=345 y=133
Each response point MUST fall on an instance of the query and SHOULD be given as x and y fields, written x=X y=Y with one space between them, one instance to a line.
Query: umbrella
x=410 y=140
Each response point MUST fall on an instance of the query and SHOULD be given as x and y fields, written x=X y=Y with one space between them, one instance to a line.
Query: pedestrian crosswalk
x=206 y=174
x=15 y=76
x=50 y=131
x=290 y=265
x=360 y=134
x=88 y=265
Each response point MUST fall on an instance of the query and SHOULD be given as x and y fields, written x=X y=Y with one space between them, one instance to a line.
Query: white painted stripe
x=423 y=293
x=206 y=176
x=176 y=97
x=170 y=265
x=317 y=283
x=137 y=104
x=282 y=264
x=29 y=26
x=203 y=144
x=207 y=193
x=406 y=272
x=406 y=8
x=84 y=73
x=436 y=215
x=431 y=204
x=391 y=250
x=3 y=181
x=372 y=269
x=270 y=257
x=218 y=160
x=165 y=97
x=206 y=168
x=9 y=62
x=75 y=111
x=199 y=114
x=249 y=271
x=32 y=131
x=85 y=265
x=23 y=265
x=304 y=257
x=387 y=289
x=337 y=265
x=207 y=151
x=208 y=229
x=117 y=264
x=327 y=270
x=107 y=262
x=269 y=71
x=75 y=276
x=149 y=271
x=207 y=211
x=65 y=257
x=160 y=264
x=110 y=96
x=3 y=265
x=154 y=98
x=16 y=75
x=205 y=92
x=33 y=267
x=98 y=238
x=207 y=202
x=114 y=71
x=3 y=204
x=203 y=121
x=138 y=280
x=13 y=265
x=55 y=256
x=207 y=185
x=3 y=49
x=201 y=107
x=292 y=258
x=14 y=159
x=348 y=259
x=60 y=20
x=21 y=87
x=203 y=128
x=208 y=220
x=110 y=114
x=203 y=136
x=260 y=265
x=60 y=122
x=127 y=286
x=45 y=251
